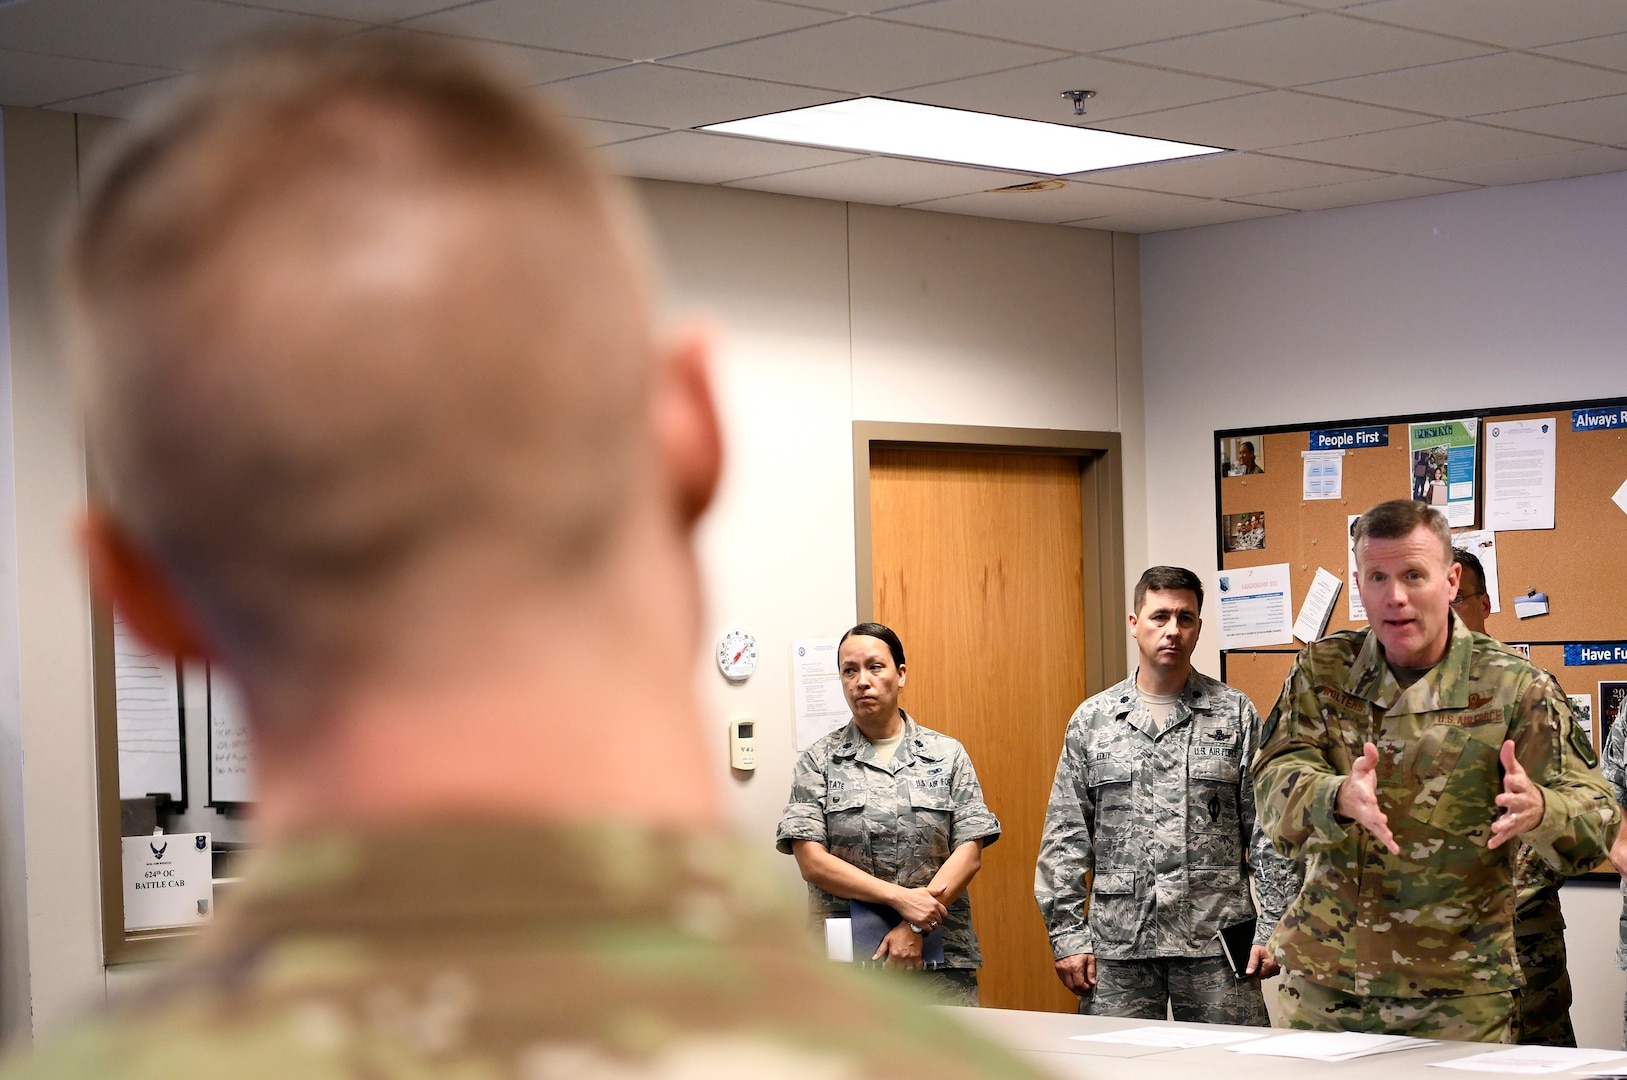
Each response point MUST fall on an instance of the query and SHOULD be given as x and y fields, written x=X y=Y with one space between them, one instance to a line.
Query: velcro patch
x=1582 y=743
x=1475 y=719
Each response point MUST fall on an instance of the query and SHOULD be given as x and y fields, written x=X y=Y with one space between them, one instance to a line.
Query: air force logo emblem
x=159 y=849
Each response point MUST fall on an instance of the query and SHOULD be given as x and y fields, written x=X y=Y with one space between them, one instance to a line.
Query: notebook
x=1236 y=942
x=871 y=922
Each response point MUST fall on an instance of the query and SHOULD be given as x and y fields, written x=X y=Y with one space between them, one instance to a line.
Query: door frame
x=1101 y=495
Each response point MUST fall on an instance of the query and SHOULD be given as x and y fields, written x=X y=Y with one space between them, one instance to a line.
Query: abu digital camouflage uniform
x=1161 y=824
x=898 y=822
x=1539 y=945
x=1436 y=920
x=488 y=950
x=1613 y=763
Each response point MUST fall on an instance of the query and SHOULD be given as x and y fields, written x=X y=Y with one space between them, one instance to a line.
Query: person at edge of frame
x=383 y=426
x=1401 y=762
x=1544 y=1002
x=1153 y=805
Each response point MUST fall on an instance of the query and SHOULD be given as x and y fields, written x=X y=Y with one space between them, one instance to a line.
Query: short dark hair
x=1398 y=518
x=1246 y=443
x=880 y=633
x=1168 y=579
x=1470 y=562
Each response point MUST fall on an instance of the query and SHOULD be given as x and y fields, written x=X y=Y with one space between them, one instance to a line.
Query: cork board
x=1259 y=675
x=1577 y=563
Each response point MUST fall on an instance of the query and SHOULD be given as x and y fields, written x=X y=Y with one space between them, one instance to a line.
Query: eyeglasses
x=1457 y=601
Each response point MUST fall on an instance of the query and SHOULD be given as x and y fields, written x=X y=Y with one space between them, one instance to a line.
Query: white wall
x=830 y=313
x=1489 y=298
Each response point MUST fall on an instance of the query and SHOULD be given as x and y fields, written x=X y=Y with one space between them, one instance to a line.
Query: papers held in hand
x=1236 y=942
x=871 y=922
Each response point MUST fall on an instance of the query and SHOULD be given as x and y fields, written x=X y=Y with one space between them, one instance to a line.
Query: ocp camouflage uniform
x=1370 y=933
x=898 y=822
x=487 y=950
x=1539 y=944
x=1161 y=823
x=1613 y=763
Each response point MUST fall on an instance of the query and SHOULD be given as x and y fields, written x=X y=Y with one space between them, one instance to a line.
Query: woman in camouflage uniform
x=886 y=811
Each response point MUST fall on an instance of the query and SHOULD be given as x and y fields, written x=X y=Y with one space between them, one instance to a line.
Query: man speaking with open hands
x=1399 y=763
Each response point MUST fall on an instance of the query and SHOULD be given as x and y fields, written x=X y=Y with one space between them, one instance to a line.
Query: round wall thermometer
x=737 y=654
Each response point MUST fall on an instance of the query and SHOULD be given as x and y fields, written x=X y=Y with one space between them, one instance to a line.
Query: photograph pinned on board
x=1582 y=712
x=1612 y=696
x=1244 y=532
x=1243 y=455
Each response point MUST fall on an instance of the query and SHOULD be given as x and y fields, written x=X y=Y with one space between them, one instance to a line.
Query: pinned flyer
x=1319 y=601
x=1255 y=608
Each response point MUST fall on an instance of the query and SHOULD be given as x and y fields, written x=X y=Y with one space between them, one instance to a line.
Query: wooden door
x=978 y=563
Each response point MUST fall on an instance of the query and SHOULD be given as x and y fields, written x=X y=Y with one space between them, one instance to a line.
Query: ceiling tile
x=1259 y=120
x=1602 y=120
x=882 y=180
x=1609 y=52
x=1201 y=213
x=125 y=102
x=1427 y=147
x=1383 y=189
x=864 y=56
x=1483 y=84
x=1089 y=27
x=1289 y=52
x=35 y=79
x=849 y=7
x=368 y=11
x=674 y=98
x=1518 y=24
x=1227 y=176
x=698 y=158
x=1588 y=162
x=526 y=64
x=1035 y=91
x=1070 y=202
x=605 y=132
x=628 y=29
x=155 y=33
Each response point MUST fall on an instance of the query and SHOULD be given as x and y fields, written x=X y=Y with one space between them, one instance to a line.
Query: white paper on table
x=1171 y=1036
x=1620 y=497
x=1324 y=474
x=1482 y=544
x=1530 y=1059
x=1313 y=616
x=1358 y=612
x=816 y=690
x=839 y=940
x=1520 y=474
x=1255 y=607
x=1327 y=1045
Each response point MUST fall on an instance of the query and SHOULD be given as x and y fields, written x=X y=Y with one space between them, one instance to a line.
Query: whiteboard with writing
x=147 y=703
x=231 y=754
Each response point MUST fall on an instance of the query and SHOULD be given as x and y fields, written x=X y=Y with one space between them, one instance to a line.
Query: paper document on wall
x=1324 y=474
x=1358 y=613
x=1442 y=464
x=816 y=690
x=1255 y=608
x=231 y=751
x=1482 y=544
x=147 y=700
x=1520 y=474
x=1319 y=601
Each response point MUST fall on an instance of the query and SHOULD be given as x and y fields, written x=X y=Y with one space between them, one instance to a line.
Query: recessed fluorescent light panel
x=904 y=129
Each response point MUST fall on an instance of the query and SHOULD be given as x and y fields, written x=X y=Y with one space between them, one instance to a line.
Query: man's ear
x=687 y=435
x=127 y=578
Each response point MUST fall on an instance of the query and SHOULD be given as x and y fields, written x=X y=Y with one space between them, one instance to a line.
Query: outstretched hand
x=1521 y=800
x=1358 y=799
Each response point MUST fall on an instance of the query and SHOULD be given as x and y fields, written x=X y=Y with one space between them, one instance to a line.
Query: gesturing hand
x=1521 y=800
x=1358 y=798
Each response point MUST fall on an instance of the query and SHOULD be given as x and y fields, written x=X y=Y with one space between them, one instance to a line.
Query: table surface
x=1045 y=1041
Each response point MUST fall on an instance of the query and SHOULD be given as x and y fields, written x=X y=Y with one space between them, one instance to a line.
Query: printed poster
x=1442 y=461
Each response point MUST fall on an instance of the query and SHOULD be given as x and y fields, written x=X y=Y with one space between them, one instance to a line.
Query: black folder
x=871 y=922
x=1236 y=942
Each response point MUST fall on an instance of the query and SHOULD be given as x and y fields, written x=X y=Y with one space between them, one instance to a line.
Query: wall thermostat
x=743 y=745
x=737 y=654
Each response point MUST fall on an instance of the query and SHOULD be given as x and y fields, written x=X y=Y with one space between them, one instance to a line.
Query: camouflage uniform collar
x=915 y=744
x=1127 y=703
x=490 y=873
x=1444 y=686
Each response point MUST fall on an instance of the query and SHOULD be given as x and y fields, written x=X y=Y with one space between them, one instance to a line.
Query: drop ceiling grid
x=1326 y=100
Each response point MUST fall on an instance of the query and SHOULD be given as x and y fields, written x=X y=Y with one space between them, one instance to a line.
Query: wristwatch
x=917 y=929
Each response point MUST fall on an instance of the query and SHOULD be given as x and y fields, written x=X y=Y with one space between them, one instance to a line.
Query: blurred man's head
x=1406 y=579
x=363 y=335
x=1472 y=603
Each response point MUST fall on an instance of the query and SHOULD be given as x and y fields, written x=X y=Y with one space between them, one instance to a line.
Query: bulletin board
x=1581 y=563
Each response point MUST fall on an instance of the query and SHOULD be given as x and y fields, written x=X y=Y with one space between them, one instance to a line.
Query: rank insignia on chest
x=1219 y=734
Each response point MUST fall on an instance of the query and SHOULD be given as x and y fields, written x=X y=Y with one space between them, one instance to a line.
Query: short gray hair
x=1399 y=518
